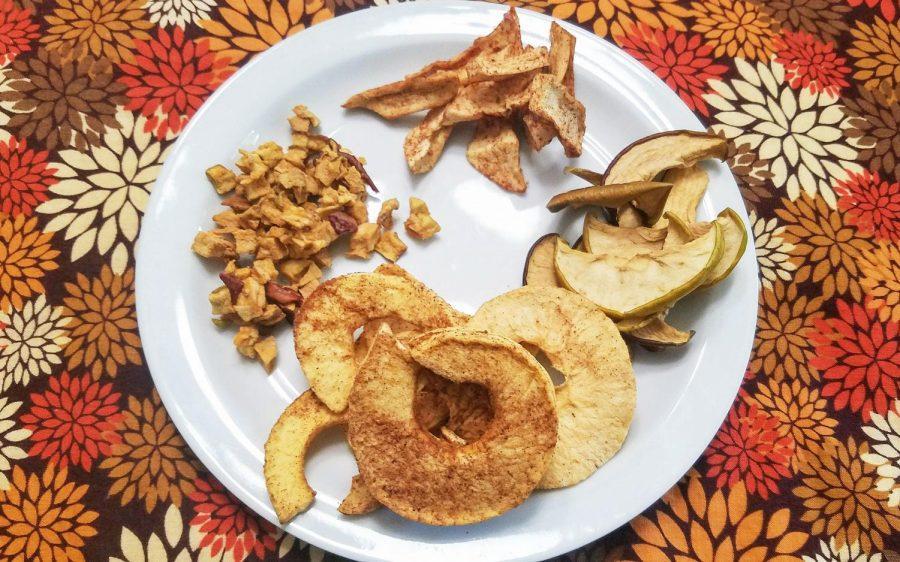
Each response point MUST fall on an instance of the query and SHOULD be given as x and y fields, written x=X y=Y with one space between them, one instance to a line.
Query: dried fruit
x=420 y=223
x=609 y=195
x=323 y=328
x=442 y=483
x=596 y=403
x=386 y=214
x=494 y=151
x=390 y=246
x=540 y=270
x=363 y=241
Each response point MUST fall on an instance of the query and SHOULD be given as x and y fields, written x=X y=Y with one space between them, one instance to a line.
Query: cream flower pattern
x=885 y=452
x=10 y=436
x=31 y=341
x=828 y=552
x=179 y=13
x=801 y=134
x=171 y=547
x=102 y=211
x=773 y=253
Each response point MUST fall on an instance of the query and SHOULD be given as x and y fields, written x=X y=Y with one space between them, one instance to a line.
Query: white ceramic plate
x=224 y=405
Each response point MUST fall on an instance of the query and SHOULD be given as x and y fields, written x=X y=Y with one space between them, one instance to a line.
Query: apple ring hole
x=557 y=376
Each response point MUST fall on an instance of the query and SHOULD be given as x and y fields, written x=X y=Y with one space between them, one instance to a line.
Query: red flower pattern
x=888 y=7
x=810 y=63
x=751 y=447
x=859 y=358
x=17 y=30
x=73 y=421
x=226 y=525
x=24 y=177
x=170 y=78
x=871 y=204
x=680 y=59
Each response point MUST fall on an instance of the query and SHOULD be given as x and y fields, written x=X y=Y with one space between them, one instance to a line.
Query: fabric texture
x=806 y=465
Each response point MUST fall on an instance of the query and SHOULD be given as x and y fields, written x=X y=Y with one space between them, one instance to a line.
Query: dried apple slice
x=494 y=151
x=642 y=160
x=551 y=100
x=658 y=334
x=688 y=186
x=594 y=178
x=425 y=142
x=734 y=237
x=627 y=285
x=505 y=64
x=495 y=98
x=538 y=131
x=600 y=237
x=630 y=324
x=540 y=270
x=610 y=195
x=285 y=453
x=358 y=500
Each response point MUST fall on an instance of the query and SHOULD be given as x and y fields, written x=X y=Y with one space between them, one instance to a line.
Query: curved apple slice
x=627 y=285
x=643 y=159
x=600 y=237
x=734 y=235
x=657 y=334
x=539 y=268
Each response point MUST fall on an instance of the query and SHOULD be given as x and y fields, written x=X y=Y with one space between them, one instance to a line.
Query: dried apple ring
x=597 y=399
x=430 y=480
x=325 y=324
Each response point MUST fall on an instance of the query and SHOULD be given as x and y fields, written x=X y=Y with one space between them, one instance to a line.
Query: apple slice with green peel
x=627 y=285
x=609 y=195
x=600 y=237
x=734 y=234
x=688 y=187
x=627 y=325
x=657 y=334
x=594 y=178
x=539 y=268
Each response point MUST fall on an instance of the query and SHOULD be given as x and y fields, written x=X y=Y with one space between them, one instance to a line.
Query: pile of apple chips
x=496 y=82
x=451 y=419
x=653 y=251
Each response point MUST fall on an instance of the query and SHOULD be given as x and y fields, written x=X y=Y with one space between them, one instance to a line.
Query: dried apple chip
x=596 y=403
x=425 y=142
x=358 y=500
x=551 y=100
x=540 y=270
x=609 y=195
x=285 y=453
x=494 y=151
x=324 y=325
x=504 y=64
x=442 y=483
x=495 y=98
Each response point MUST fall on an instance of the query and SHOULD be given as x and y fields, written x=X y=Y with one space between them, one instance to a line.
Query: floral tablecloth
x=806 y=466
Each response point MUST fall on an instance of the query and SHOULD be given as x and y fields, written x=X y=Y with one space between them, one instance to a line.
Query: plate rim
x=186 y=428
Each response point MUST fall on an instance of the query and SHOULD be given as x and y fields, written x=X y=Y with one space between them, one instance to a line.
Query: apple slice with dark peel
x=644 y=159
x=539 y=268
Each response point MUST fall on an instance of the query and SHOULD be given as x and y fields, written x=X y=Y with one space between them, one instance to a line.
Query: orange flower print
x=872 y=205
x=859 y=357
x=840 y=497
x=694 y=525
x=684 y=64
x=25 y=257
x=72 y=421
x=876 y=48
x=785 y=319
x=735 y=28
x=169 y=80
x=102 y=323
x=151 y=462
x=826 y=242
x=226 y=526
x=44 y=518
x=615 y=17
x=751 y=447
x=247 y=27
x=107 y=28
x=24 y=177
x=881 y=280
x=17 y=30
x=888 y=7
x=810 y=63
x=801 y=411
